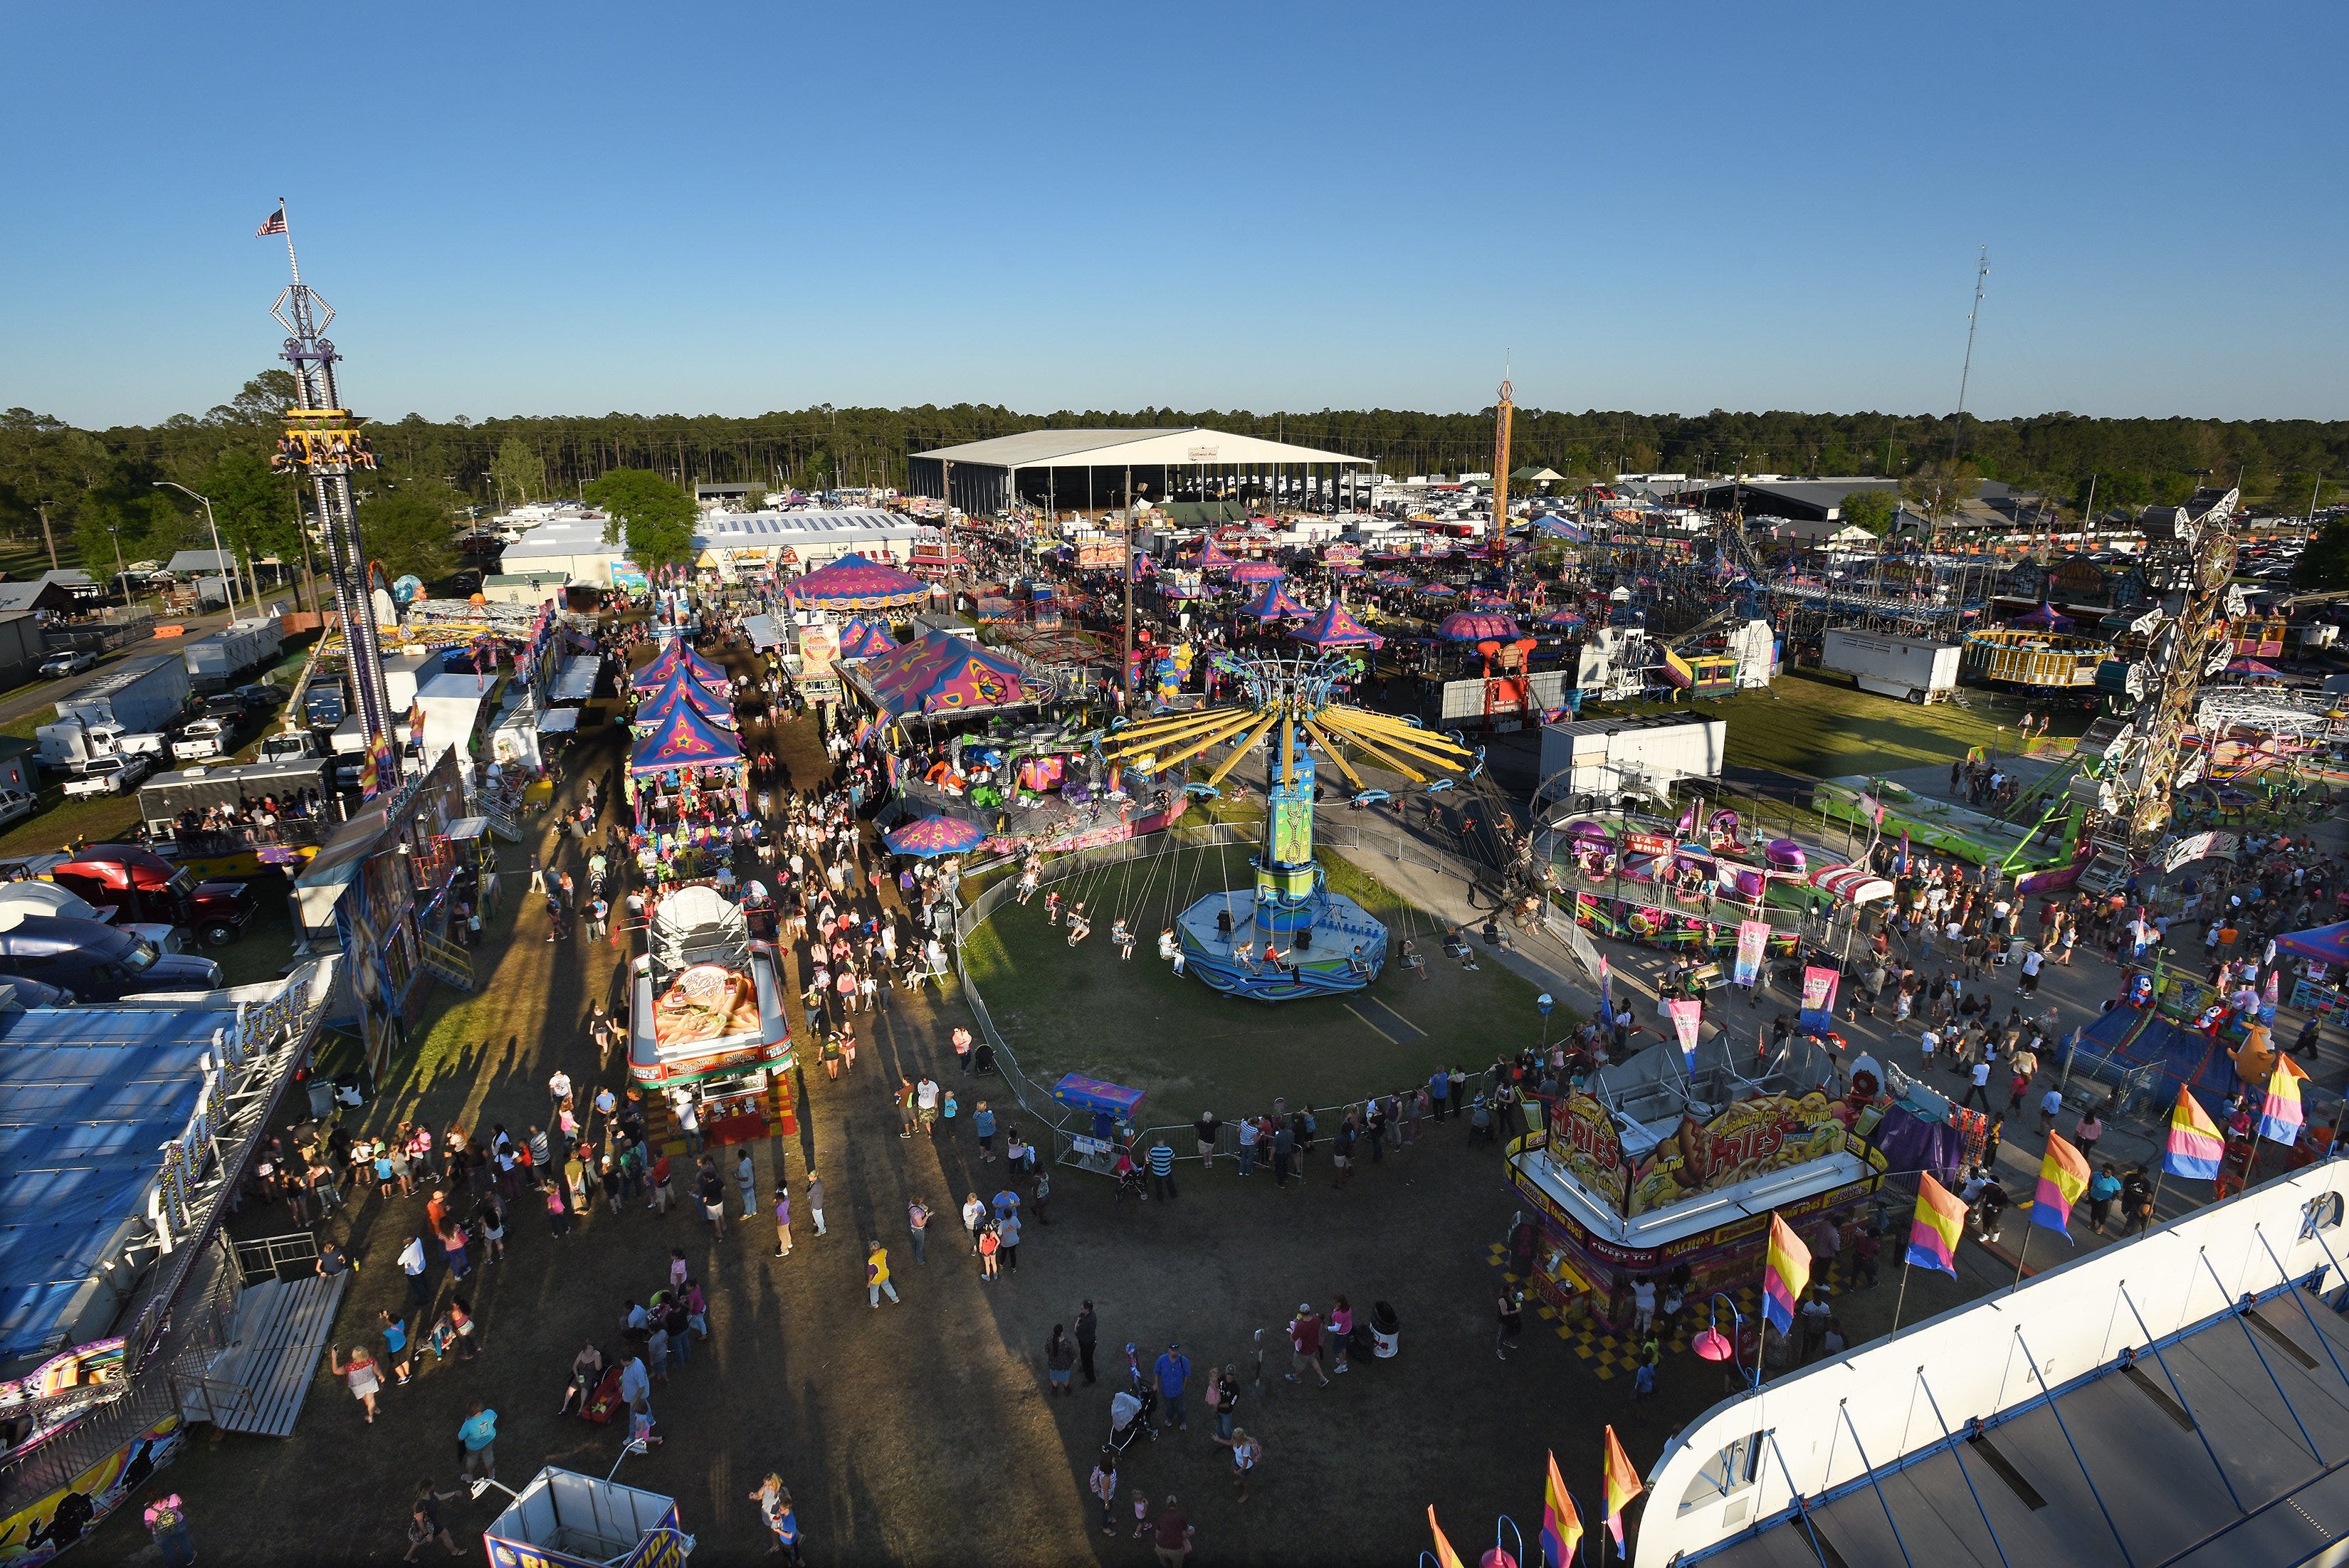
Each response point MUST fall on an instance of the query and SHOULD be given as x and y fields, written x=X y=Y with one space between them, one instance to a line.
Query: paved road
x=41 y=695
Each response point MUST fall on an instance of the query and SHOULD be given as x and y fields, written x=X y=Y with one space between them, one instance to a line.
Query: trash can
x=1386 y=1331
x=322 y=1099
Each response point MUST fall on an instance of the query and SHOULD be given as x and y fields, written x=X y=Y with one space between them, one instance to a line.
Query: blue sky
x=537 y=210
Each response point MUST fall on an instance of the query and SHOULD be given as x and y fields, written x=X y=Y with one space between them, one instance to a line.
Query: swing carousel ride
x=1289 y=937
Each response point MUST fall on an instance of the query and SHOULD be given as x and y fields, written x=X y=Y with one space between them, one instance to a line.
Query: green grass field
x=1191 y=1048
x=1822 y=726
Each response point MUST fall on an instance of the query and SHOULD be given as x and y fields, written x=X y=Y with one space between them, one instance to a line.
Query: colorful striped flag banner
x=2062 y=1177
x=1444 y=1556
x=1785 y=1270
x=2280 y=1117
x=1623 y=1484
x=2195 y=1147
x=1561 y=1532
x=1933 y=1233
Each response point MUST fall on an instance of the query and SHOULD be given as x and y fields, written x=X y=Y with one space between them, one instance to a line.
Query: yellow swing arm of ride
x=1233 y=723
x=1243 y=747
x=1364 y=726
x=1330 y=744
x=1173 y=731
x=1383 y=758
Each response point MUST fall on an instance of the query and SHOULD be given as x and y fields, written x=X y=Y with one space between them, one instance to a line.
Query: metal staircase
x=445 y=960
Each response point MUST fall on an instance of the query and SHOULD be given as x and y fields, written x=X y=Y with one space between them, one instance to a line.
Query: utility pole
x=1125 y=668
x=1504 y=416
x=1982 y=278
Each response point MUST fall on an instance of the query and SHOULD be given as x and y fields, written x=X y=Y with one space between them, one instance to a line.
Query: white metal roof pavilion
x=812 y=537
x=1094 y=469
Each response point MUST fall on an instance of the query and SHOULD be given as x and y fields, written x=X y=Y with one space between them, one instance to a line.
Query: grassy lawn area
x=1191 y=1048
x=1823 y=725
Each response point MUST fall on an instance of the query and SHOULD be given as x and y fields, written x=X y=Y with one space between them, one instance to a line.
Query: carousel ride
x=1289 y=936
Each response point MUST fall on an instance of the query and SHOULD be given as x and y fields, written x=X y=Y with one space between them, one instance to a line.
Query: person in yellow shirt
x=876 y=1273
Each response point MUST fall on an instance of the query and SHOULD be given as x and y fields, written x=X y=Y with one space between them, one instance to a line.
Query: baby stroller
x=1129 y=1419
x=605 y=1403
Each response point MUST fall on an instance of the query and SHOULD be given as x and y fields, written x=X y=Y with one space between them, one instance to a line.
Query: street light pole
x=218 y=553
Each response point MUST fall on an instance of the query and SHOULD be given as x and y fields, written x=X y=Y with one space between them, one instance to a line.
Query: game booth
x=1112 y=1109
x=706 y=1018
x=1652 y=1167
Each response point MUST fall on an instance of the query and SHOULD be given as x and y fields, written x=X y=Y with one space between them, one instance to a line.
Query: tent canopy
x=941 y=673
x=1336 y=627
x=1853 y=884
x=682 y=737
x=1477 y=626
x=677 y=689
x=1275 y=604
x=675 y=656
x=930 y=836
x=2328 y=944
x=863 y=639
x=855 y=582
x=1156 y=448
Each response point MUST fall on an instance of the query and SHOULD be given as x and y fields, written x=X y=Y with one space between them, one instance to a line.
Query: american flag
x=275 y=225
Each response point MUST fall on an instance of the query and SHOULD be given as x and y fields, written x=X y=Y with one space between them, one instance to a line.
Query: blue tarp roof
x=88 y=1096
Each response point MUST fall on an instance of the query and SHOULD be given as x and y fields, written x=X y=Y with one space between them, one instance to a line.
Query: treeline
x=99 y=495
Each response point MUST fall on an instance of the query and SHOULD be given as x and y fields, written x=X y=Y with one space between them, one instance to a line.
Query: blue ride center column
x=1288 y=893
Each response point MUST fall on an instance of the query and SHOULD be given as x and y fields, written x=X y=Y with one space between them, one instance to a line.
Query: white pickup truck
x=201 y=737
x=112 y=775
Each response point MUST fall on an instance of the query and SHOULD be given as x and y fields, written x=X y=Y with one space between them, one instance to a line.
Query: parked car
x=16 y=805
x=68 y=663
x=114 y=774
x=259 y=697
x=97 y=963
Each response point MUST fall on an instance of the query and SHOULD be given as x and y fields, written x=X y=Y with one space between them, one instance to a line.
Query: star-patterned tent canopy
x=1213 y=559
x=864 y=639
x=931 y=836
x=942 y=673
x=1335 y=627
x=857 y=582
x=682 y=738
x=1275 y=604
x=675 y=656
x=1256 y=572
x=677 y=689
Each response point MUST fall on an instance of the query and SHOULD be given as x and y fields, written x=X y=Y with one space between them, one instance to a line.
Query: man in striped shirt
x=1162 y=1169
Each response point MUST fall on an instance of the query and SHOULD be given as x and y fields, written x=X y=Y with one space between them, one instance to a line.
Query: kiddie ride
x=1289 y=937
x=706 y=1017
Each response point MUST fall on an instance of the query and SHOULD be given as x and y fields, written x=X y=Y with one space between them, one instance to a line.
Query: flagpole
x=1900 y=1300
x=2023 y=1252
x=291 y=260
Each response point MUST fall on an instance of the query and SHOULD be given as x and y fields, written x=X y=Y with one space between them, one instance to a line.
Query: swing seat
x=1371 y=797
x=1203 y=791
x=1438 y=786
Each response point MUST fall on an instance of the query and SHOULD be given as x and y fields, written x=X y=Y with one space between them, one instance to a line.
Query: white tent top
x=1140 y=448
